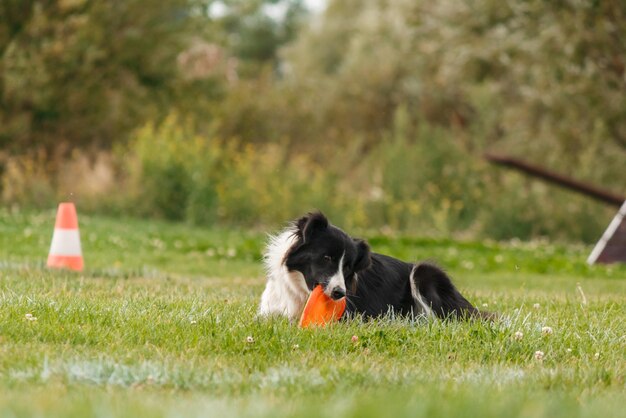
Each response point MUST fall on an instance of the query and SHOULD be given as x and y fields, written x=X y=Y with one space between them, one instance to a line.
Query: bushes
x=378 y=114
x=168 y=171
x=427 y=183
x=25 y=181
x=424 y=185
x=173 y=173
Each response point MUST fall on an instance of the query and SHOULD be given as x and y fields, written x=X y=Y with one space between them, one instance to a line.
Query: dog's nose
x=337 y=293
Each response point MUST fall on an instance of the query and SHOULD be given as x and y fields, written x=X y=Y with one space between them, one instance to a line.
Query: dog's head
x=326 y=255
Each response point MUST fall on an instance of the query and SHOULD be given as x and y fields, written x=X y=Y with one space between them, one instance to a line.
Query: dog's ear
x=311 y=223
x=363 y=259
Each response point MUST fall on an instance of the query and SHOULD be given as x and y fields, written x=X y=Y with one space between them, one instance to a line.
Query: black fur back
x=386 y=286
x=381 y=287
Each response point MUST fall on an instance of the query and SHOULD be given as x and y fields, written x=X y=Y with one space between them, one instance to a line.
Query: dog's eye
x=328 y=259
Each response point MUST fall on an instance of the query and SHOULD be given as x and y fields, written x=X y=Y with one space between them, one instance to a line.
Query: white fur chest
x=285 y=292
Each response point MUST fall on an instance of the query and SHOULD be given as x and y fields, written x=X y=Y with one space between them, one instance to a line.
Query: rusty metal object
x=587 y=189
x=612 y=246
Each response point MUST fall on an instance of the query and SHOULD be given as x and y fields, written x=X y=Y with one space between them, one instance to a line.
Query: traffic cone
x=65 y=251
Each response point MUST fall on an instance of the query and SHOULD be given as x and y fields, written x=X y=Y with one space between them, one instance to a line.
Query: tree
x=84 y=73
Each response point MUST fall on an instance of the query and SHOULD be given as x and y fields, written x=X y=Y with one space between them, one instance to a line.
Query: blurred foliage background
x=378 y=112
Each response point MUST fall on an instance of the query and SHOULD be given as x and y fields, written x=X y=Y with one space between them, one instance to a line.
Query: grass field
x=162 y=323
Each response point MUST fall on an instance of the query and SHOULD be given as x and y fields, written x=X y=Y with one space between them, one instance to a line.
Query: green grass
x=159 y=322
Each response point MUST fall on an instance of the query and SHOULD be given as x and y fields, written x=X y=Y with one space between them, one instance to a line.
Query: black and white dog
x=311 y=251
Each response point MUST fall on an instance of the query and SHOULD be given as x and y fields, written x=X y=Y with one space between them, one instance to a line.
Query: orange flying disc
x=321 y=310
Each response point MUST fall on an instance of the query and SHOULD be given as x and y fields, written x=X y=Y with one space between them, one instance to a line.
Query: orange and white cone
x=65 y=250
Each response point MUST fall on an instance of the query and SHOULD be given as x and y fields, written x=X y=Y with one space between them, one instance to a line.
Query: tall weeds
x=415 y=181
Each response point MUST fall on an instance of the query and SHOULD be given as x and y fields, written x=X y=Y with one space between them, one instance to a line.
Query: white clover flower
x=546 y=331
x=296 y=346
x=193 y=322
x=569 y=350
x=536 y=306
x=596 y=356
x=518 y=335
x=485 y=305
x=539 y=355
x=30 y=317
